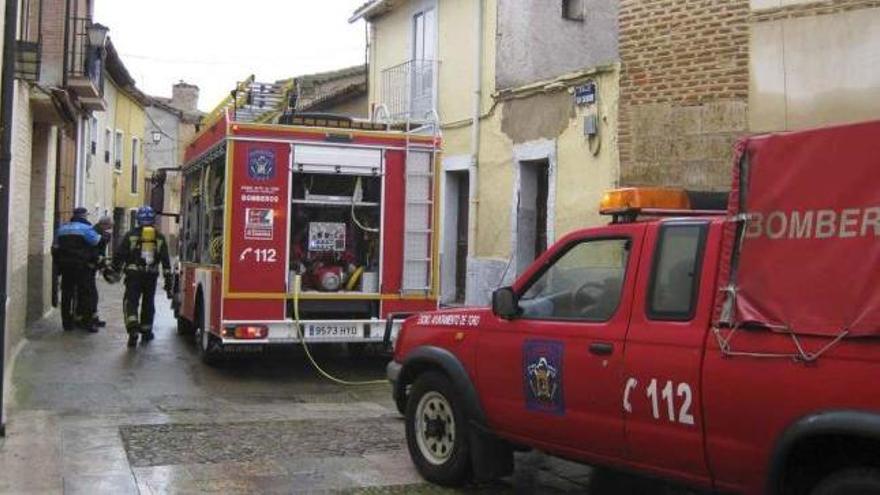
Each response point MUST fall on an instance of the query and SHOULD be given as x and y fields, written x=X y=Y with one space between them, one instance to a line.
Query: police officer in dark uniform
x=139 y=254
x=74 y=249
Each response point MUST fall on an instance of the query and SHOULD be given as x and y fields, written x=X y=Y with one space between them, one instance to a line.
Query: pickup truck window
x=584 y=283
x=675 y=276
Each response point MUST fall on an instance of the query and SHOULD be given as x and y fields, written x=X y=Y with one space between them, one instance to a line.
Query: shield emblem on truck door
x=542 y=376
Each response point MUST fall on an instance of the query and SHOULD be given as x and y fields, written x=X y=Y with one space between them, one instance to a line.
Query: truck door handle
x=601 y=348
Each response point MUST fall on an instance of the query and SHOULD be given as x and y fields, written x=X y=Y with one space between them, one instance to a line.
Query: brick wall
x=19 y=213
x=683 y=90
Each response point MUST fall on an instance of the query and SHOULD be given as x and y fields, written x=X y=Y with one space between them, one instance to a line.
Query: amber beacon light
x=643 y=198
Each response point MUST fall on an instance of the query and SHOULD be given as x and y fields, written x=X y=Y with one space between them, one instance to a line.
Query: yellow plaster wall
x=582 y=177
x=391 y=45
x=495 y=190
x=131 y=120
x=456 y=53
x=580 y=180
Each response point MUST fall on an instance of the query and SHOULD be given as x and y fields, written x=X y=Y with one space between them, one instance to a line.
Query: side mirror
x=504 y=303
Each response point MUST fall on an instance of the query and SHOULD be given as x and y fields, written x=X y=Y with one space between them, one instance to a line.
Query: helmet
x=111 y=275
x=146 y=215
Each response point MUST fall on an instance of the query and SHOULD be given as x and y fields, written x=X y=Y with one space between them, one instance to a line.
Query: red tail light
x=251 y=332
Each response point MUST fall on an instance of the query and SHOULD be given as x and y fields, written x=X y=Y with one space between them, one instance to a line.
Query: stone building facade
x=684 y=90
x=52 y=106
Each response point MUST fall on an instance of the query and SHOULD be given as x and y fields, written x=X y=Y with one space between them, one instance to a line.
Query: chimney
x=185 y=97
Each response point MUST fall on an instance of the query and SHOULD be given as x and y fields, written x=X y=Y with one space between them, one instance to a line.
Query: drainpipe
x=7 y=89
x=473 y=198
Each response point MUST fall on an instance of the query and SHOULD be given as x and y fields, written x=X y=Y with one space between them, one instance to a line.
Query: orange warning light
x=638 y=198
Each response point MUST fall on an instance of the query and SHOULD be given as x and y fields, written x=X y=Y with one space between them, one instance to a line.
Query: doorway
x=532 y=212
x=455 y=237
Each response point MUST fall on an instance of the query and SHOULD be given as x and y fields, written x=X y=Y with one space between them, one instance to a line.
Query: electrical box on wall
x=591 y=125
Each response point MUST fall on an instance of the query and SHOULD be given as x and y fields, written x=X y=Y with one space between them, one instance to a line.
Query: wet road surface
x=89 y=415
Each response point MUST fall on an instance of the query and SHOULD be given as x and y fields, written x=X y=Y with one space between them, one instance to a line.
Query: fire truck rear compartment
x=335 y=240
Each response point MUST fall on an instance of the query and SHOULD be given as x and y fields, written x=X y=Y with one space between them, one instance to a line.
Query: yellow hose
x=297 y=285
x=353 y=279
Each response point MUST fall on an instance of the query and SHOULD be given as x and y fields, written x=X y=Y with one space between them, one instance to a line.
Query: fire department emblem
x=261 y=164
x=542 y=376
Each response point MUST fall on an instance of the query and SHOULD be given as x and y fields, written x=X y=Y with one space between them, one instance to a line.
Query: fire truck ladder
x=260 y=101
x=419 y=222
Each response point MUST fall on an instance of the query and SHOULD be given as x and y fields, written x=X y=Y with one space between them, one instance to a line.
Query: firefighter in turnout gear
x=74 y=250
x=139 y=254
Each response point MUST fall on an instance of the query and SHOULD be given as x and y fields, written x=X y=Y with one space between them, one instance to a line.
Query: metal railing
x=28 y=46
x=409 y=90
x=82 y=59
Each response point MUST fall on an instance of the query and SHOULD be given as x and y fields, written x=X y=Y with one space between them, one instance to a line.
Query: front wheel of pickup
x=436 y=431
x=853 y=481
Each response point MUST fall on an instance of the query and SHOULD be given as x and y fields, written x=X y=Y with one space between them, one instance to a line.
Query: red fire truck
x=332 y=215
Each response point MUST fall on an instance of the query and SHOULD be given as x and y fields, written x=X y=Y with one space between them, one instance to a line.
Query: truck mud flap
x=491 y=457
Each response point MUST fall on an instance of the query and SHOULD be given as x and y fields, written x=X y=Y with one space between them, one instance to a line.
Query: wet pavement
x=89 y=415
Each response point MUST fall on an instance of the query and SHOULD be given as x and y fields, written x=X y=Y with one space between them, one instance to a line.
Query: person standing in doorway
x=74 y=249
x=139 y=254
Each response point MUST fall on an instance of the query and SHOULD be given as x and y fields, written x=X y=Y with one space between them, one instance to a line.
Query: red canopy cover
x=808 y=257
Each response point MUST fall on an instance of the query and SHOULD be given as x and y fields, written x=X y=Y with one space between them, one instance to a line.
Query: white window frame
x=135 y=166
x=118 y=150
x=108 y=146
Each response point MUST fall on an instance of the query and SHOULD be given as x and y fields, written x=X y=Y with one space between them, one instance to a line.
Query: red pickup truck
x=731 y=350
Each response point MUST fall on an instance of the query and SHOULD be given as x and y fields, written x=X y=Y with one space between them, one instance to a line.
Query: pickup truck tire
x=436 y=430
x=853 y=481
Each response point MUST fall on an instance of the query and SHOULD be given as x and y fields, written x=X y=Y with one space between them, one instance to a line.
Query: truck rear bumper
x=314 y=331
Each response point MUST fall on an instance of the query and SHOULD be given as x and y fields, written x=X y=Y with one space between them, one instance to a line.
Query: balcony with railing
x=409 y=91
x=84 y=62
x=28 y=45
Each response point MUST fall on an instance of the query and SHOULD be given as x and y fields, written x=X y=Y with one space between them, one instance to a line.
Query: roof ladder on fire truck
x=419 y=224
x=260 y=100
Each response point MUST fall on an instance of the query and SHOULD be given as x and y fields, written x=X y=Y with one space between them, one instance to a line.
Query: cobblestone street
x=91 y=416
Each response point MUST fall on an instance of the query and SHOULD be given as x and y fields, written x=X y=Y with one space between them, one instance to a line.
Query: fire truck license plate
x=324 y=331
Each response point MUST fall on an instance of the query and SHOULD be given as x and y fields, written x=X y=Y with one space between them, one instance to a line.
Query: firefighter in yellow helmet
x=139 y=254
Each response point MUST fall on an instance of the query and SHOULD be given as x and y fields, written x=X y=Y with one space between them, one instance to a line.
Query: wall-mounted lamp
x=157 y=136
x=97 y=34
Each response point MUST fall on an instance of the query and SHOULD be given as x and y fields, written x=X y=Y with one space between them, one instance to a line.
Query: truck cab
x=609 y=350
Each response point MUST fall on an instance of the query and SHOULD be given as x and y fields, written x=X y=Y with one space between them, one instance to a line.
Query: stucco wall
x=130 y=119
x=100 y=176
x=813 y=64
x=392 y=45
x=580 y=171
x=535 y=42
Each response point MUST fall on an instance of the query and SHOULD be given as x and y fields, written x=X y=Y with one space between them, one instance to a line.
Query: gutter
x=7 y=89
x=473 y=197
x=367 y=11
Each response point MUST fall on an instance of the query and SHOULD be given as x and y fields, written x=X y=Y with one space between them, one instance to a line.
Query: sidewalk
x=85 y=407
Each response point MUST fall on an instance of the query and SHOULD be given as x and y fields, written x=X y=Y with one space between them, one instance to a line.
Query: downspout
x=7 y=89
x=473 y=197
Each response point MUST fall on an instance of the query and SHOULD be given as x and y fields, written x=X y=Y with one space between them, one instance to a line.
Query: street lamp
x=97 y=34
